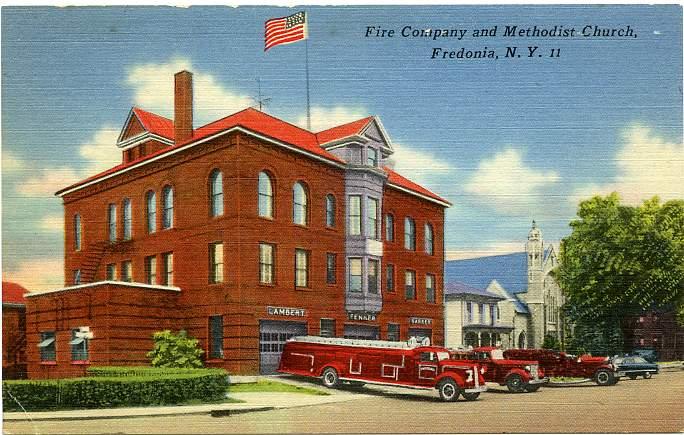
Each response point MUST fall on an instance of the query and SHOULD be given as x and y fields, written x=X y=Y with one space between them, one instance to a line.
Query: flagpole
x=308 y=101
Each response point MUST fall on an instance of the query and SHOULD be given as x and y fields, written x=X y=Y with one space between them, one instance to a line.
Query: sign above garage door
x=286 y=311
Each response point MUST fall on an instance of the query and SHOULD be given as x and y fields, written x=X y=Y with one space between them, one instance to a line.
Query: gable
x=132 y=129
x=375 y=132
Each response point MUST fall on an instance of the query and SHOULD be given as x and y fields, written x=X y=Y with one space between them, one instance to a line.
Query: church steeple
x=535 y=249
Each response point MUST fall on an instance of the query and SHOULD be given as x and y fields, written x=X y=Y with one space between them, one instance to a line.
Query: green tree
x=621 y=260
x=551 y=342
x=175 y=350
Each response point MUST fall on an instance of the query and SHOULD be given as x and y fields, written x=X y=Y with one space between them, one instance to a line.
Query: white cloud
x=52 y=223
x=153 y=88
x=11 y=163
x=647 y=165
x=323 y=118
x=422 y=167
x=97 y=154
x=37 y=274
x=508 y=184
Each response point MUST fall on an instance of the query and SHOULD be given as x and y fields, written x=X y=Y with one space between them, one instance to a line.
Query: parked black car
x=648 y=354
x=633 y=366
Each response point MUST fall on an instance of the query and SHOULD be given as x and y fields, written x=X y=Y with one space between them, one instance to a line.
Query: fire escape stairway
x=92 y=261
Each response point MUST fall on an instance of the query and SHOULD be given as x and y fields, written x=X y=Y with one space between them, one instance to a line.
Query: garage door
x=362 y=332
x=272 y=337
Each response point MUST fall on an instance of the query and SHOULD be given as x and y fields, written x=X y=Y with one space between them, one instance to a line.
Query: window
x=482 y=314
x=301 y=268
x=330 y=210
x=111 y=272
x=373 y=266
x=429 y=240
x=79 y=345
x=167 y=207
x=167 y=268
x=355 y=275
x=127 y=271
x=355 y=215
x=389 y=227
x=216 y=192
x=151 y=202
x=331 y=269
x=327 y=328
x=430 y=288
x=215 y=262
x=265 y=195
x=127 y=219
x=215 y=336
x=410 y=284
x=151 y=269
x=492 y=314
x=469 y=308
x=77 y=276
x=372 y=157
x=409 y=234
x=392 y=332
x=266 y=262
x=372 y=218
x=390 y=278
x=47 y=346
x=498 y=313
x=77 y=232
x=111 y=222
x=300 y=204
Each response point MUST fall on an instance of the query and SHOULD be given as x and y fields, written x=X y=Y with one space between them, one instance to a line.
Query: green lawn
x=273 y=387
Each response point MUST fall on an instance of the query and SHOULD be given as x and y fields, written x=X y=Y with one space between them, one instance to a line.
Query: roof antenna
x=259 y=99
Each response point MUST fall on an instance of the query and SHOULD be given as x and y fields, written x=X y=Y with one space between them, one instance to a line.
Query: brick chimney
x=182 y=106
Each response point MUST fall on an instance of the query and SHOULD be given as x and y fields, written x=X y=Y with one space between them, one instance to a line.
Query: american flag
x=285 y=30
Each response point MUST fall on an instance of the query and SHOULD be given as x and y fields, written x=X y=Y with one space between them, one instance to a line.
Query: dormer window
x=372 y=157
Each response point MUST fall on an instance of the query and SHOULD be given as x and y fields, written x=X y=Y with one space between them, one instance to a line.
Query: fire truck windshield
x=497 y=354
x=442 y=355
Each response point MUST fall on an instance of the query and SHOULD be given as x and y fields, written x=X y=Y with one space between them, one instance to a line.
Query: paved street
x=633 y=406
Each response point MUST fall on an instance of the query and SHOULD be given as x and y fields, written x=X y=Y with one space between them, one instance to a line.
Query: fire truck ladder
x=410 y=344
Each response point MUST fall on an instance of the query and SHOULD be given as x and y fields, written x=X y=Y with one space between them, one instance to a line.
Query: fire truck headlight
x=528 y=368
x=482 y=370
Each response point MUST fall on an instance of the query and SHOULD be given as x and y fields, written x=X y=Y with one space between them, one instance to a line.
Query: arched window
x=265 y=195
x=216 y=193
x=521 y=340
x=151 y=205
x=429 y=240
x=167 y=210
x=485 y=339
x=77 y=232
x=127 y=219
x=330 y=210
x=300 y=204
x=409 y=234
x=111 y=222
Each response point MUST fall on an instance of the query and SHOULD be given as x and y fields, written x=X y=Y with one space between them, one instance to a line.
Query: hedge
x=112 y=391
x=144 y=371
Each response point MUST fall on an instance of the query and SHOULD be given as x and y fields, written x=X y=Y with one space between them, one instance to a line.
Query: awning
x=46 y=342
x=77 y=340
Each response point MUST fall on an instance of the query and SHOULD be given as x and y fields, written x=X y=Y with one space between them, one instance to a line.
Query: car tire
x=648 y=375
x=471 y=396
x=532 y=388
x=604 y=377
x=632 y=377
x=330 y=378
x=515 y=383
x=448 y=390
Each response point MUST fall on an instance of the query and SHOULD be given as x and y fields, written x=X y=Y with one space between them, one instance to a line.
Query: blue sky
x=506 y=141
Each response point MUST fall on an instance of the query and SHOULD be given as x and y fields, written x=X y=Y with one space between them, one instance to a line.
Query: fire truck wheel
x=648 y=375
x=471 y=396
x=532 y=388
x=515 y=383
x=604 y=377
x=632 y=377
x=330 y=378
x=448 y=390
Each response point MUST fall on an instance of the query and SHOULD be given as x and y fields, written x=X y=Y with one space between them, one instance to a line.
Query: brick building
x=657 y=330
x=13 y=331
x=244 y=232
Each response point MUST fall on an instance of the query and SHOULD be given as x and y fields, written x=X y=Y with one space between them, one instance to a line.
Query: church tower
x=535 y=285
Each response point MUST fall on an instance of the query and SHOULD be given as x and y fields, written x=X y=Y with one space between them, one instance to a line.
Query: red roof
x=398 y=180
x=154 y=123
x=265 y=125
x=13 y=293
x=342 y=131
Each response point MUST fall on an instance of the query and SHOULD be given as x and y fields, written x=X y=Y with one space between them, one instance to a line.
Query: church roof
x=509 y=270
x=455 y=288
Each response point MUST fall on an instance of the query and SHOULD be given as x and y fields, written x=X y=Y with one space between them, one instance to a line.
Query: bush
x=175 y=350
x=551 y=342
x=145 y=371
x=112 y=391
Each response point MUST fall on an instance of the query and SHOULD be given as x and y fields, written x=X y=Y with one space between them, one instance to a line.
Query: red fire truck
x=410 y=364
x=555 y=364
